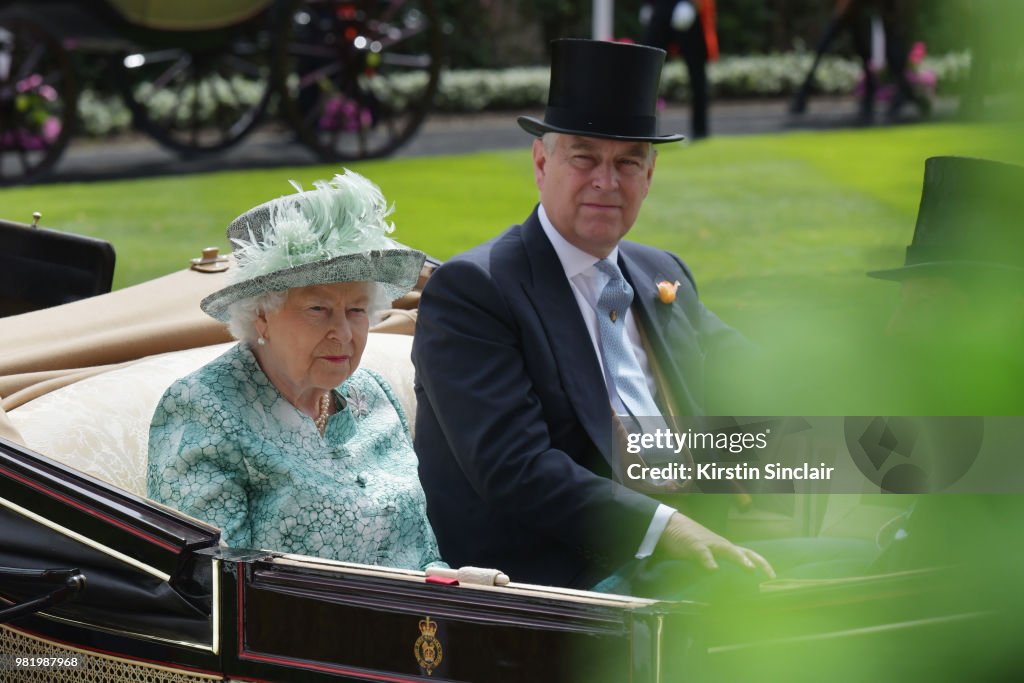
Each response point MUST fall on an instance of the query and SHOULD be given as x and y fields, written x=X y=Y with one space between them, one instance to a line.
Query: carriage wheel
x=358 y=76
x=38 y=97
x=202 y=98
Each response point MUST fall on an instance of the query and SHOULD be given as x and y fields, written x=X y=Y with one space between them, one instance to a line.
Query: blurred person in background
x=958 y=337
x=689 y=27
x=961 y=305
x=854 y=17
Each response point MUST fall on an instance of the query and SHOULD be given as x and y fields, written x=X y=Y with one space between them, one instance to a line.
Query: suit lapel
x=551 y=295
x=663 y=328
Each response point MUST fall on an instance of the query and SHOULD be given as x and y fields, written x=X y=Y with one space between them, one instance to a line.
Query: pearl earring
x=261 y=341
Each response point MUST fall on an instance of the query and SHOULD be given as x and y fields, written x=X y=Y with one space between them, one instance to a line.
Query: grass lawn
x=759 y=219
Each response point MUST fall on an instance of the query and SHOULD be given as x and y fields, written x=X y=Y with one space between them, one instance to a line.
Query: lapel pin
x=667 y=291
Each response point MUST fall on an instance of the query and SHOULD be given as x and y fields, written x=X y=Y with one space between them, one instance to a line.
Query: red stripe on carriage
x=301 y=663
x=329 y=668
x=89 y=510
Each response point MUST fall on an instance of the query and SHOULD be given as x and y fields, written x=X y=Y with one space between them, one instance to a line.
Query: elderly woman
x=283 y=441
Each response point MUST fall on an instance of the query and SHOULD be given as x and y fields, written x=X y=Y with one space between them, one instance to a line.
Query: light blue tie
x=620 y=362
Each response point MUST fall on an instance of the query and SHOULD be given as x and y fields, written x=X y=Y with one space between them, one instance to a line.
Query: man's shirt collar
x=573 y=259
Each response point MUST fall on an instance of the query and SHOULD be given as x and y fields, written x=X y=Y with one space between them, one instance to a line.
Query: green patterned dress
x=227 y=448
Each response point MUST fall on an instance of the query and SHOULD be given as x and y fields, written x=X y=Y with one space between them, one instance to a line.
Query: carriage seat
x=100 y=425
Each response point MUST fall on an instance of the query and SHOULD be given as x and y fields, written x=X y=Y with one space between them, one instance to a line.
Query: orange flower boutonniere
x=667 y=291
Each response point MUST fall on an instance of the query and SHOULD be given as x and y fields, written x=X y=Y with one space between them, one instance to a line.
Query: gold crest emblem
x=428 y=649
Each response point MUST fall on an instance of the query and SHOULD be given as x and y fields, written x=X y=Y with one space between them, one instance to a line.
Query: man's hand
x=685 y=539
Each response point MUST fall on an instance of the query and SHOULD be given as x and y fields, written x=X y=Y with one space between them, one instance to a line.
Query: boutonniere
x=667 y=291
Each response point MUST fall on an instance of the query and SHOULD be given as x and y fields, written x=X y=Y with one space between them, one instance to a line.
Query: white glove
x=683 y=16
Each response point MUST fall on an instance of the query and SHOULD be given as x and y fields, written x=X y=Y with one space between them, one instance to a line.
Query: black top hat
x=602 y=90
x=969 y=221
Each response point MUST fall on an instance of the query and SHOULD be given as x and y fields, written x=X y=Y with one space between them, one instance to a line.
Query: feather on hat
x=337 y=232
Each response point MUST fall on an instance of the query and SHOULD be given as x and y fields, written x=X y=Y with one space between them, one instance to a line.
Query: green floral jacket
x=227 y=448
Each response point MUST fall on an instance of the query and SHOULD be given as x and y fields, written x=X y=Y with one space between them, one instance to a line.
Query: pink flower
x=917 y=53
x=30 y=83
x=923 y=79
x=341 y=113
x=51 y=129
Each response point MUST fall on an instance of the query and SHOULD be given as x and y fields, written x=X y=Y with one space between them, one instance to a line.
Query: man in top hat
x=958 y=332
x=960 y=317
x=526 y=346
x=966 y=260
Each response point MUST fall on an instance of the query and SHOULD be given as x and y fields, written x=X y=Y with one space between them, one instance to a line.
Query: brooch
x=667 y=291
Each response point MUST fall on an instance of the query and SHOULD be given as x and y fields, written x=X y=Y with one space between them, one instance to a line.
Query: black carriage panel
x=146 y=594
x=76 y=505
x=117 y=596
x=362 y=624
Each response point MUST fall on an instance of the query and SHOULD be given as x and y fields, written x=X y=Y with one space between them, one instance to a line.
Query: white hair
x=242 y=314
x=550 y=141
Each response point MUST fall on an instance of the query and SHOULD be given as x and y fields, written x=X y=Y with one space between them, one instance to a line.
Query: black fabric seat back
x=40 y=268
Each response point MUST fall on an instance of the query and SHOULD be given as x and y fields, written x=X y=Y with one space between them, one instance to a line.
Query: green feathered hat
x=337 y=232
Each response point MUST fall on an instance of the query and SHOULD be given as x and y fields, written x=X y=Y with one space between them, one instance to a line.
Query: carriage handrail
x=72 y=582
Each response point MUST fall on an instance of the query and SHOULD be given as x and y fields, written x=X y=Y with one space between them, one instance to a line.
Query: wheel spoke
x=218 y=96
x=197 y=84
x=223 y=113
x=180 y=113
x=334 y=137
x=29 y=62
x=420 y=62
x=244 y=66
x=306 y=50
x=355 y=88
x=152 y=58
x=180 y=66
x=361 y=137
x=23 y=158
x=35 y=84
x=319 y=74
x=392 y=9
x=389 y=35
x=53 y=78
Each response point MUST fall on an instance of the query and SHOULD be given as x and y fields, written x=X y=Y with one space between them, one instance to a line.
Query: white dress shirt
x=586 y=283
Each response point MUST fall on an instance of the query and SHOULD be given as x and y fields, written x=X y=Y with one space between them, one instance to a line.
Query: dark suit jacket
x=513 y=422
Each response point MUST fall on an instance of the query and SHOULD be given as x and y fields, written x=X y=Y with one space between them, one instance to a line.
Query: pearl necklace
x=321 y=418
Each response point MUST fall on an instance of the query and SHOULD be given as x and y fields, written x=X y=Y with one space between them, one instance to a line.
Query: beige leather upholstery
x=100 y=425
x=45 y=350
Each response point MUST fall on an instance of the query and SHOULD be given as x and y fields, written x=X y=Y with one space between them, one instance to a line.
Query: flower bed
x=468 y=91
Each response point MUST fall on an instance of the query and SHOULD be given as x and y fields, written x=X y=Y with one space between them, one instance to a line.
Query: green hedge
x=731 y=78
x=467 y=91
